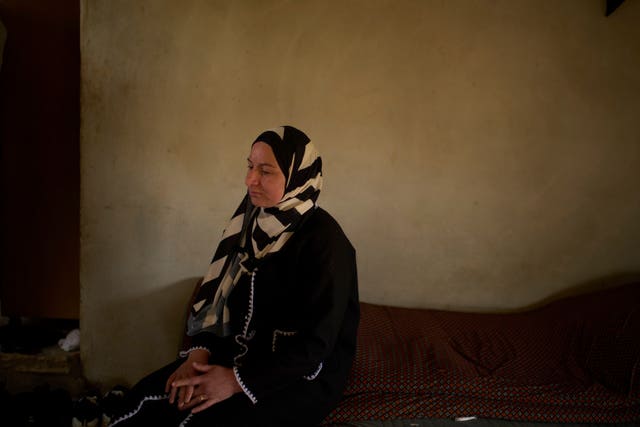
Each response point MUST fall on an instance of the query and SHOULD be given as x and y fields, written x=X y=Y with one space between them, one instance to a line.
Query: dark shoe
x=86 y=412
x=112 y=404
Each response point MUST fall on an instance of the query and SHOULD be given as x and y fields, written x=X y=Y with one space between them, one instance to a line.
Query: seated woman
x=274 y=323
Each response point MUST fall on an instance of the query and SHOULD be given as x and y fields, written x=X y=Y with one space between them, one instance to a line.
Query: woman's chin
x=257 y=201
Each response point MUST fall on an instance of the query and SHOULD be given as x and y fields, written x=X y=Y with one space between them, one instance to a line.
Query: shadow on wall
x=605 y=282
x=157 y=318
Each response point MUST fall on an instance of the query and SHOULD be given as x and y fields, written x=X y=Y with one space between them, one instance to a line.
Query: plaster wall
x=480 y=155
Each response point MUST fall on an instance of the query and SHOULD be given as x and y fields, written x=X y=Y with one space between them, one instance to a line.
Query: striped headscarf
x=254 y=233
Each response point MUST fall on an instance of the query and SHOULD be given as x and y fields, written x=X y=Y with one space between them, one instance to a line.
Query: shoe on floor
x=86 y=412
x=112 y=403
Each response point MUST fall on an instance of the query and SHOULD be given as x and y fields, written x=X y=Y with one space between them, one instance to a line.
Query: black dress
x=295 y=321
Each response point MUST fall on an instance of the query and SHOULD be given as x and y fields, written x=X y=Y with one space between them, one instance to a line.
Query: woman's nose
x=252 y=178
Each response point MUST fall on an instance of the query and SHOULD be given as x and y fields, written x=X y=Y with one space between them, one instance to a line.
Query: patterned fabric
x=573 y=360
x=255 y=233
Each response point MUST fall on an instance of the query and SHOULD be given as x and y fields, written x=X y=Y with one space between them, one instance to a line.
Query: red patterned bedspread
x=573 y=360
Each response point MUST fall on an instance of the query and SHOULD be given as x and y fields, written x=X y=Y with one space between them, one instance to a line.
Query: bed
x=574 y=361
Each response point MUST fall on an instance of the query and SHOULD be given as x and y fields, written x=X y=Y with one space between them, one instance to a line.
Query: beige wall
x=479 y=154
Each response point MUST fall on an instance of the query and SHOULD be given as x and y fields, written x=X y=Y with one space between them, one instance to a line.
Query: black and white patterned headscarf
x=255 y=233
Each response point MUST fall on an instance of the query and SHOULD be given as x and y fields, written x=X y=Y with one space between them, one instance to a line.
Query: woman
x=274 y=323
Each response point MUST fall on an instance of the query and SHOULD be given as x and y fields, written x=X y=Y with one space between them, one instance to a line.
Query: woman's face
x=265 y=181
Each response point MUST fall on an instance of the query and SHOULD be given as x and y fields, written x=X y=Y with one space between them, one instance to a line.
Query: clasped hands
x=196 y=385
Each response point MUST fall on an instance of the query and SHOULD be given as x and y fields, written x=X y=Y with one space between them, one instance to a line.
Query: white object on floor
x=71 y=342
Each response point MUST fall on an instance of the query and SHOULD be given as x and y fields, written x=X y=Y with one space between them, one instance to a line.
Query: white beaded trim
x=185 y=353
x=242 y=339
x=275 y=337
x=245 y=336
x=315 y=374
x=186 y=420
x=135 y=411
x=243 y=386
x=250 y=313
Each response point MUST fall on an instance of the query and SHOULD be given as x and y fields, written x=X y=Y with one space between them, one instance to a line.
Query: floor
x=52 y=367
x=30 y=357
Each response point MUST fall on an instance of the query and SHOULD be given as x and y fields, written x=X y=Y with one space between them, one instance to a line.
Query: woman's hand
x=213 y=384
x=185 y=371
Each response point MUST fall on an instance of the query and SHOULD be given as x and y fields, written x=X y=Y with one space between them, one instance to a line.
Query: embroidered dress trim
x=275 y=337
x=243 y=386
x=135 y=411
x=246 y=336
x=247 y=318
x=185 y=353
x=315 y=374
x=186 y=420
